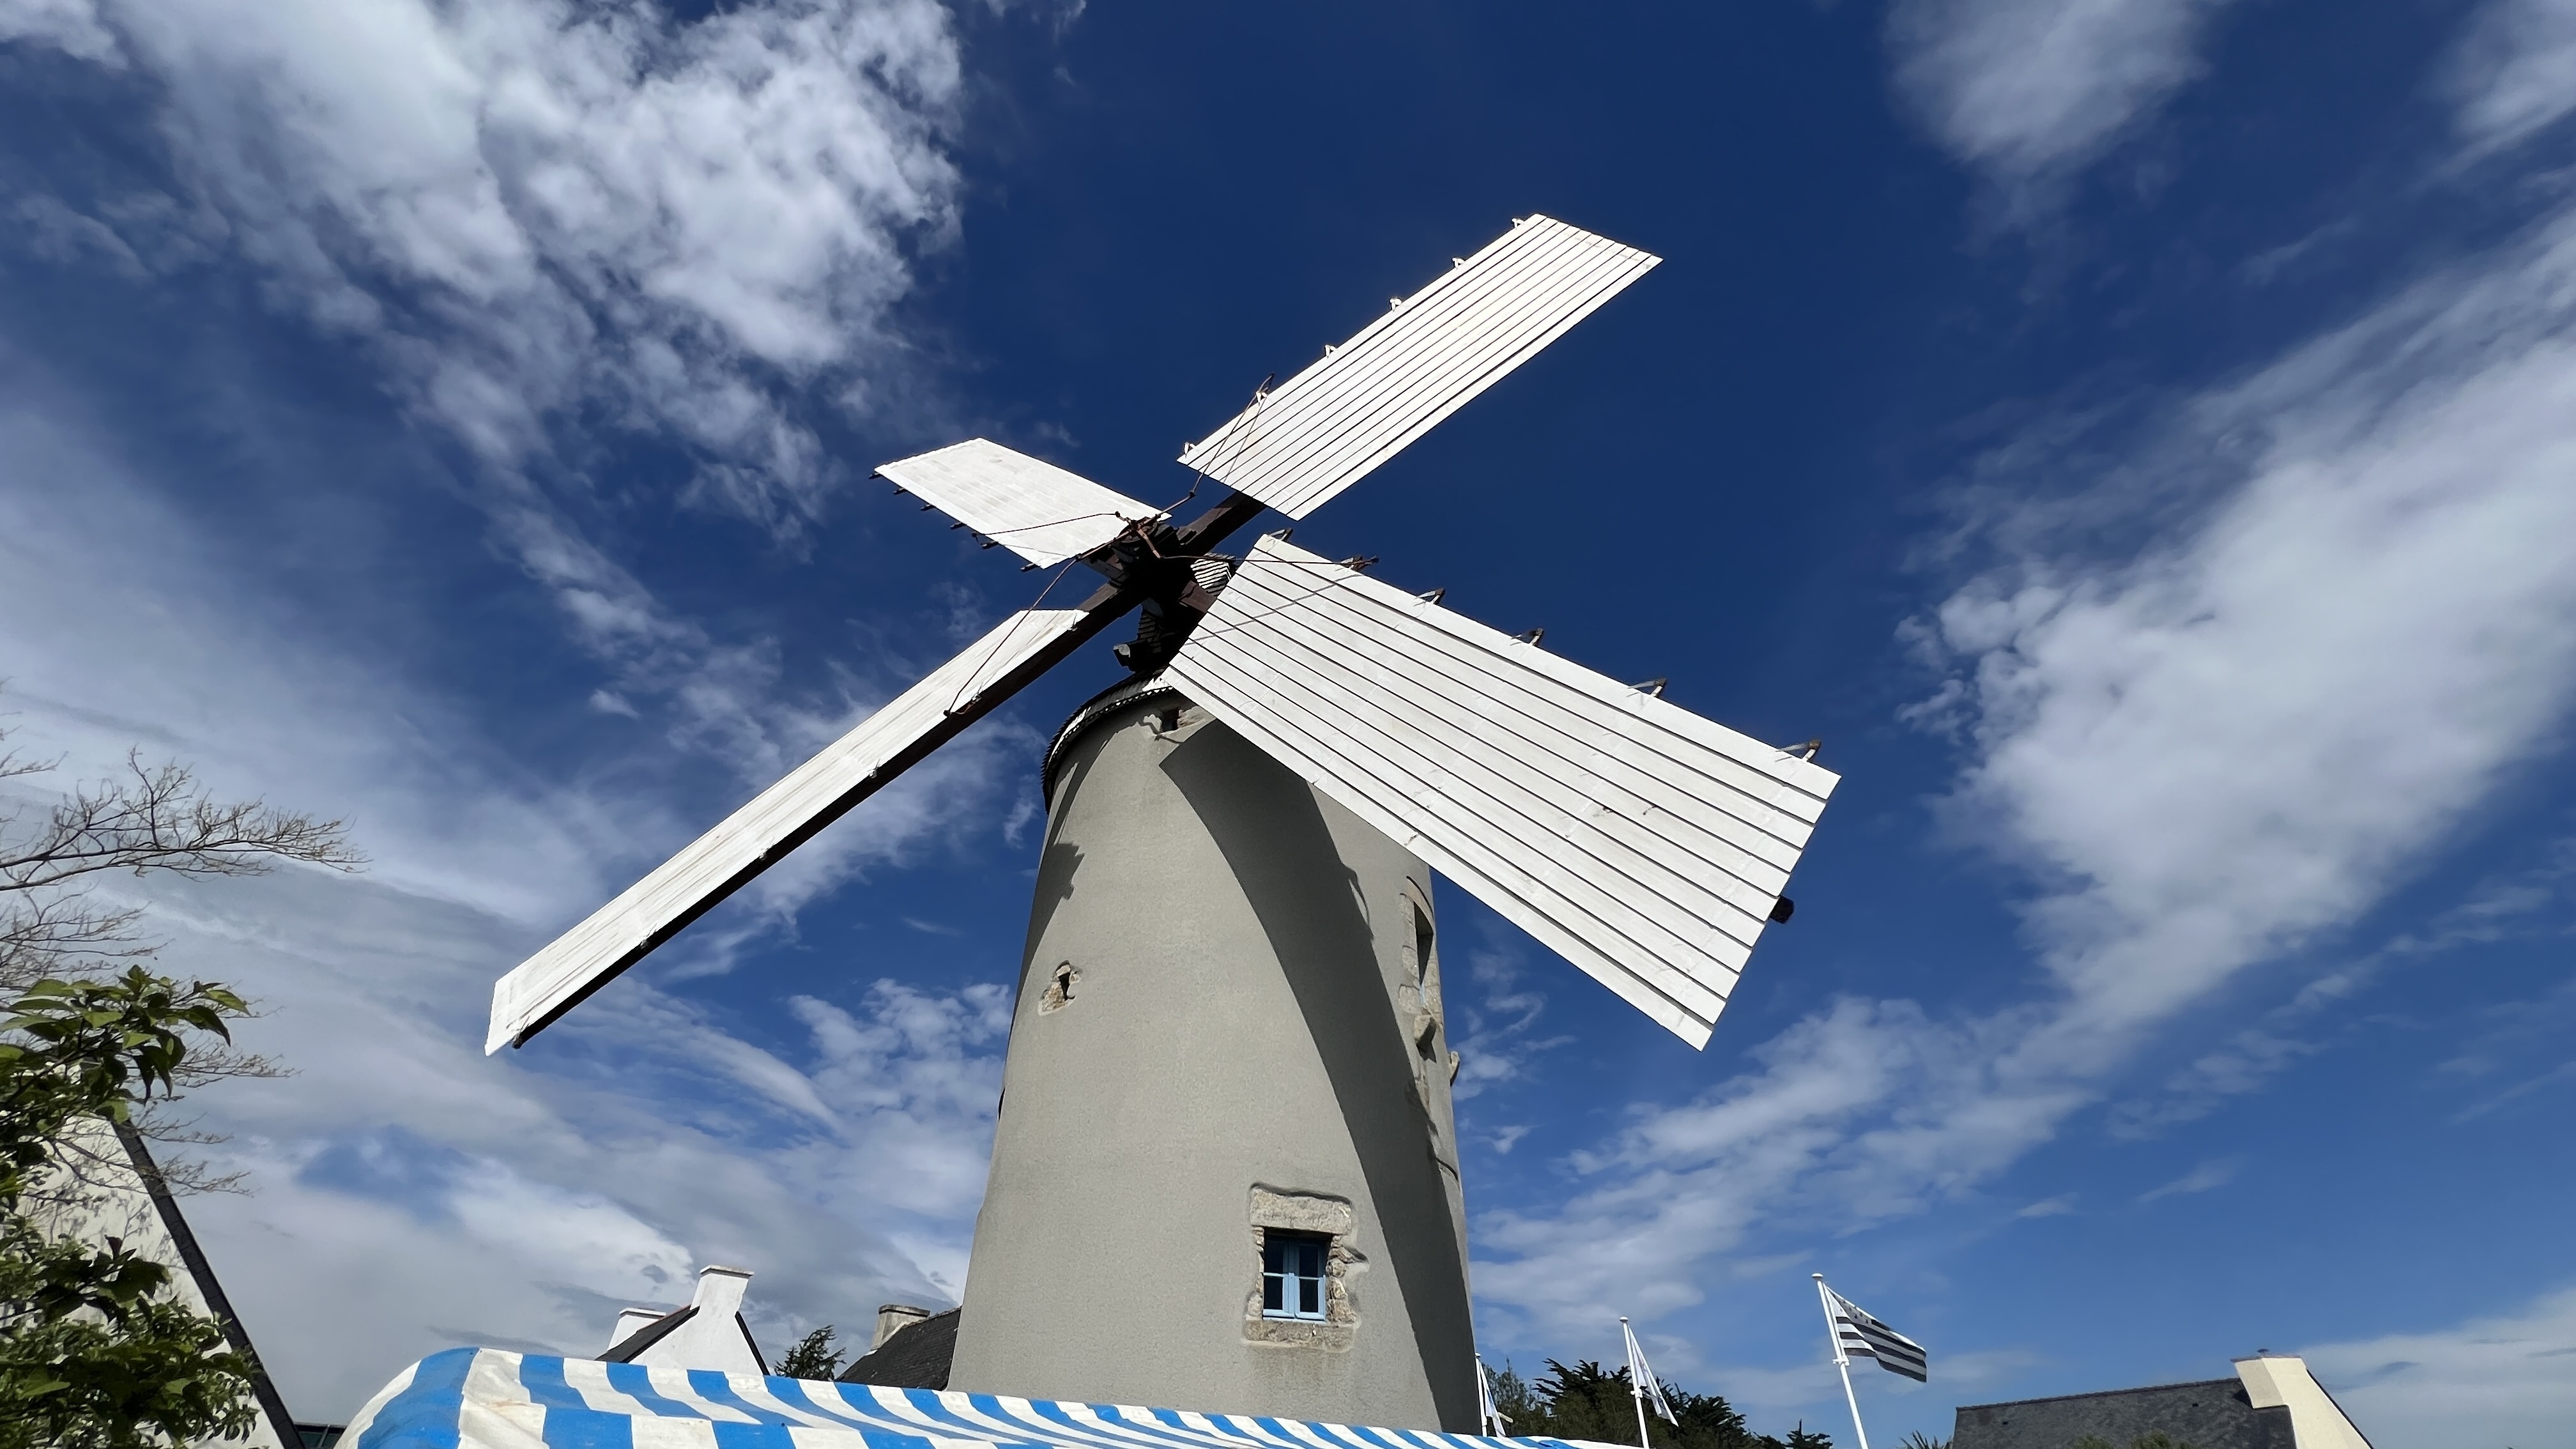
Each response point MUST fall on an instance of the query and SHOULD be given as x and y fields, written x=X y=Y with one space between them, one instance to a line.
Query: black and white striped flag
x=1642 y=1381
x=1489 y=1419
x=1860 y=1336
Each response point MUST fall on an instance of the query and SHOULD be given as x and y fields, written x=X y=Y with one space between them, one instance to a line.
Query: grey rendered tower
x=1229 y=1029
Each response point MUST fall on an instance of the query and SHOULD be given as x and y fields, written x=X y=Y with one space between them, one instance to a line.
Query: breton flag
x=1642 y=1381
x=1489 y=1420
x=1858 y=1335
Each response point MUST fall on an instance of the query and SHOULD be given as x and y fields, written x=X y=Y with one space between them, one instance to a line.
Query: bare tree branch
x=53 y=935
x=160 y=819
x=154 y=820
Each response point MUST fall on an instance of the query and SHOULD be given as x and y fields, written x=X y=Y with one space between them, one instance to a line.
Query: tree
x=94 y=1352
x=1804 y=1438
x=813 y=1357
x=1708 y=1421
x=1587 y=1401
x=1520 y=1408
x=150 y=820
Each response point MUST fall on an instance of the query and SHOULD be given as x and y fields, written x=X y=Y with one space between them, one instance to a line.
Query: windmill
x=1225 y=1172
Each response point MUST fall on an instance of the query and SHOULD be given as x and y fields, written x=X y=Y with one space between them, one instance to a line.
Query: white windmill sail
x=753 y=838
x=1643 y=843
x=1646 y=844
x=1324 y=429
x=1031 y=507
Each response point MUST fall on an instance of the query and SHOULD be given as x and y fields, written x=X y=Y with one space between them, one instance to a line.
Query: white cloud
x=2030 y=89
x=540 y=222
x=1495 y=1023
x=179 y=660
x=2243 y=1063
x=2492 y=1380
x=2513 y=905
x=71 y=26
x=528 y=207
x=2207 y=1177
x=920 y=1079
x=2207 y=753
x=545 y=224
x=445 y=1196
x=2515 y=71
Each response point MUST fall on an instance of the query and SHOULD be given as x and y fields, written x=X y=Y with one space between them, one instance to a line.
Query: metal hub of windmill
x=1224 y=1174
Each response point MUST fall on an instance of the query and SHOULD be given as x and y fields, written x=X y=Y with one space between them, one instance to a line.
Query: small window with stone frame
x=1293 y=1274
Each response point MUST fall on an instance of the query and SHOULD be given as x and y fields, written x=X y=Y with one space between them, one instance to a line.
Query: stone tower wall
x=1228 y=1024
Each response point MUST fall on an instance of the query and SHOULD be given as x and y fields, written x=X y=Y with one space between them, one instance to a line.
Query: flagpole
x=1636 y=1391
x=1842 y=1360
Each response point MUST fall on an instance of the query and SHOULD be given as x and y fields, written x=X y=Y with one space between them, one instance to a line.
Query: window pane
x=1294 y=1269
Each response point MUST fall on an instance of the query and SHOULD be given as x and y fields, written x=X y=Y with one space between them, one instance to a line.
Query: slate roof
x=625 y=1349
x=2211 y=1414
x=915 y=1356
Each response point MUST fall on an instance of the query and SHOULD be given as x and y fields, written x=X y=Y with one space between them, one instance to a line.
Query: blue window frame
x=1292 y=1274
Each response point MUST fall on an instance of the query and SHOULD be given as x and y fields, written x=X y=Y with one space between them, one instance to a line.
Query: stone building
x=2273 y=1402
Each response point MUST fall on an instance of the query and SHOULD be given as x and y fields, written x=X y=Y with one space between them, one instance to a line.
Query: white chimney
x=631 y=1319
x=720 y=1290
x=893 y=1318
x=713 y=1335
x=2282 y=1381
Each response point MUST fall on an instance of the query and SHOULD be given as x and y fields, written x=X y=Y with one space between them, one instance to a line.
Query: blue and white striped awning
x=481 y=1398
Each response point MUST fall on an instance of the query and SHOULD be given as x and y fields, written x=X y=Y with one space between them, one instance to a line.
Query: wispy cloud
x=2029 y=90
x=645 y=1138
x=2501 y=1379
x=2563 y=1072
x=526 y=207
x=2513 y=1038
x=2207 y=752
x=2243 y=1063
x=442 y=1193
x=2514 y=73
x=549 y=228
x=1494 y=1017
x=2204 y=1178
x=2504 y=907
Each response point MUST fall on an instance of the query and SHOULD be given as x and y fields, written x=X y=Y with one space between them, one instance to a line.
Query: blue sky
x=2136 y=435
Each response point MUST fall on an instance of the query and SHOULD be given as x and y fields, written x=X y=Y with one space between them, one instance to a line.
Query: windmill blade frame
x=775 y=821
x=1564 y=806
x=898 y=736
x=1303 y=442
x=1041 y=512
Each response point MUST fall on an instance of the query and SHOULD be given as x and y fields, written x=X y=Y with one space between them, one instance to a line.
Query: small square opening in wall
x=1292 y=1274
x=1304 y=1296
